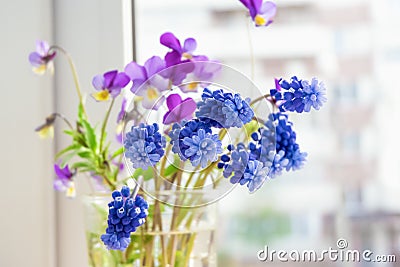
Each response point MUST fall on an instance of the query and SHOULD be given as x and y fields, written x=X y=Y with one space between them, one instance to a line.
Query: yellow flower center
x=103 y=95
x=40 y=70
x=187 y=55
x=152 y=93
x=260 y=21
x=192 y=85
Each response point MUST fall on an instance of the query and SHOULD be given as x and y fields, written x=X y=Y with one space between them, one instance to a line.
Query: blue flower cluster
x=279 y=137
x=224 y=110
x=242 y=169
x=194 y=140
x=299 y=95
x=144 y=145
x=273 y=149
x=125 y=215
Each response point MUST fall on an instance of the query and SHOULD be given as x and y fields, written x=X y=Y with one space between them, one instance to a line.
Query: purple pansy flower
x=64 y=180
x=204 y=72
x=41 y=59
x=179 y=53
x=178 y=109
x=109 y=84
x=148 y=82
x=261 y=13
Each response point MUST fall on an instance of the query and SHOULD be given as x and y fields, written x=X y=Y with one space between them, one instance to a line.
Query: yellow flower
x=46 y=130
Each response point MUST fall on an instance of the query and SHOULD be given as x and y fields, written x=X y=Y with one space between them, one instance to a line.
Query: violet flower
x=261 y=13
x=179 y=109
x=41 y=59
x=179 y=53
x=204 y=72
x=109 y=84
x=64 y=181
x=147 y=81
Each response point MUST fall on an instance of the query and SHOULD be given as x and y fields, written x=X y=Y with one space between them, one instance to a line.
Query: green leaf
x=117 y=153
x=147 y=174
x=69 y=132
x=171 y=169
x=81 y=164
x=67 y=149
x=67 y=157
x=85 y=154
x=90 y=135
x=80 y=112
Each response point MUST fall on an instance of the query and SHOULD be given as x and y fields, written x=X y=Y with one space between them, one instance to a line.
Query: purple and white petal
x=190 y=45
x=135 y=71
x=35 y=59
x=154 y=65
x=98 y=82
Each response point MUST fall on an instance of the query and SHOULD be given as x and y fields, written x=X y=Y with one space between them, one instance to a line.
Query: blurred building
x=348 y=189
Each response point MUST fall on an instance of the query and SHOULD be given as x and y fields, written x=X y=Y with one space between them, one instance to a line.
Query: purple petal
x=136 y=84
x=277 y=85
x=169 y=40
x=120 y=81
x=98 y=82
x=135 y=71
x=159 y=82
x=246 y=3
x=109 y=78
x=182 y=111
x=268 y=10
x=64 y=173
x=172 y=58
x=114 y=92
x=121 y=113
x=173 y=101
x=35 y=59
x=154 y=65
x=254 y=7
x=189 y=45
x=59 y=185
x=42 y=47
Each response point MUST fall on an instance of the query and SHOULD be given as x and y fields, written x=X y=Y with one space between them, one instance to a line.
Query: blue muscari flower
x=186 y=129
x=299 y=95
x=144 y=145
x=244 y=170
x=236 y=167
x=277 y=147
x=224 y=109
x=255 y=175
x=202 y=148
x=125 y=215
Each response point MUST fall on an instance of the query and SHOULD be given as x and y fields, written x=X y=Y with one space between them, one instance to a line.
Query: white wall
x=26 y=194
x=40 y=228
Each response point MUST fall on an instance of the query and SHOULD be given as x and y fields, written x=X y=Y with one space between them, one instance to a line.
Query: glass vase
x=173 y=235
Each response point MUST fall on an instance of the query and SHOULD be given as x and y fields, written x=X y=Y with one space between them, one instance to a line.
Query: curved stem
x=74 y=73
x=266 y=97
x=65 y=120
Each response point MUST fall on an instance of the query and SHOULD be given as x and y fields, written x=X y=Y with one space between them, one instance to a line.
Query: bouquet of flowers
x=176 y=131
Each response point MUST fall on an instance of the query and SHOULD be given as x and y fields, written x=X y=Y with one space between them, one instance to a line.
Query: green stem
x=103 y=127
x=74 y=73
